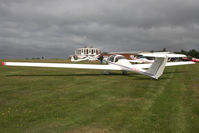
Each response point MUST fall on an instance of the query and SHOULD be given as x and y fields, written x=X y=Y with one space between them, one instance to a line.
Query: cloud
x=30 y=28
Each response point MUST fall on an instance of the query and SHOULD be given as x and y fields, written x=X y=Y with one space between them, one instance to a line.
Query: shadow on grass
x=176 y=72
x=147 y=78
x=135 y=76
x=67 y=75
x=141 y=77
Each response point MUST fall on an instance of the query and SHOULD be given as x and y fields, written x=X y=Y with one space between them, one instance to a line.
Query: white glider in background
x=162 y=54
x=142 y=56
x=114 y=62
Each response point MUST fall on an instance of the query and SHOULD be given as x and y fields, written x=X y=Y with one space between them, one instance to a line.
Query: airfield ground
x=39 y=100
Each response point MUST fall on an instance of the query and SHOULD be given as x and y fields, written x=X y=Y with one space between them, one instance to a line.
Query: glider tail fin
x=72 y=59
x=157 y=68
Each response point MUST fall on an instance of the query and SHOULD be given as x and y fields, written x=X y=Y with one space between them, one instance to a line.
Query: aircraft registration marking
x=135 y=69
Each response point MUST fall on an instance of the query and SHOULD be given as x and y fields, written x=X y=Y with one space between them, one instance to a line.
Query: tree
x=164 y=50
x=192 y=53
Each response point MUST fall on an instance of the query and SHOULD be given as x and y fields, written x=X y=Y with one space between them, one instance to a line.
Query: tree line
x=192 y=53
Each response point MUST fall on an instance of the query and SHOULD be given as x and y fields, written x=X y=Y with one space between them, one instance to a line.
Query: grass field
x=50 y=100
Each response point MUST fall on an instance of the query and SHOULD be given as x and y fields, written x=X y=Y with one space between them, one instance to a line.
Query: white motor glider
x=115 y=62
x=142 y=57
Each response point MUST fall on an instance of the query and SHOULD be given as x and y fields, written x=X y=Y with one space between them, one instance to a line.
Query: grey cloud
x=55 y=28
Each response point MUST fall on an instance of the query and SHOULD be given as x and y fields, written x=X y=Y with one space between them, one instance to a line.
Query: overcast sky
x=54 y=28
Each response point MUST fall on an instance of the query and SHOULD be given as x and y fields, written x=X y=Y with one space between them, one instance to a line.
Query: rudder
x=157 y=68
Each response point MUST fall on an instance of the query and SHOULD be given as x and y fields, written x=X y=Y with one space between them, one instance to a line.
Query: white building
x=87 y=51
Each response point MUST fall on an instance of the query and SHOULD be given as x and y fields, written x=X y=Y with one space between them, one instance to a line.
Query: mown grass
x=80 y=101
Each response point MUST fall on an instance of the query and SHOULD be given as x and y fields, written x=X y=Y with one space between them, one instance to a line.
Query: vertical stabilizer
x=72 y=59
x=157 y=68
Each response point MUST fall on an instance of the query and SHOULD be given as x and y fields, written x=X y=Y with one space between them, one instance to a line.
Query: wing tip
x=3 y=63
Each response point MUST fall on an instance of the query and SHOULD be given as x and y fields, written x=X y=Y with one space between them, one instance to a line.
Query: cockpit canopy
x=115 y=58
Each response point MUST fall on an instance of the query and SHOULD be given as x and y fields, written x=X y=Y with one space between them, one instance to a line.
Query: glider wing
x=163 y=55
x=62 y=65
x=167 y=64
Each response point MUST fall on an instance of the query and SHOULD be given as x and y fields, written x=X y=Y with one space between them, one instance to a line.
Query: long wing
x=162 y=55
x=62 y=65
x=167 y=64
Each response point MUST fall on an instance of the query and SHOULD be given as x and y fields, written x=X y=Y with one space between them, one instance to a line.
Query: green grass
x=86 y=101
